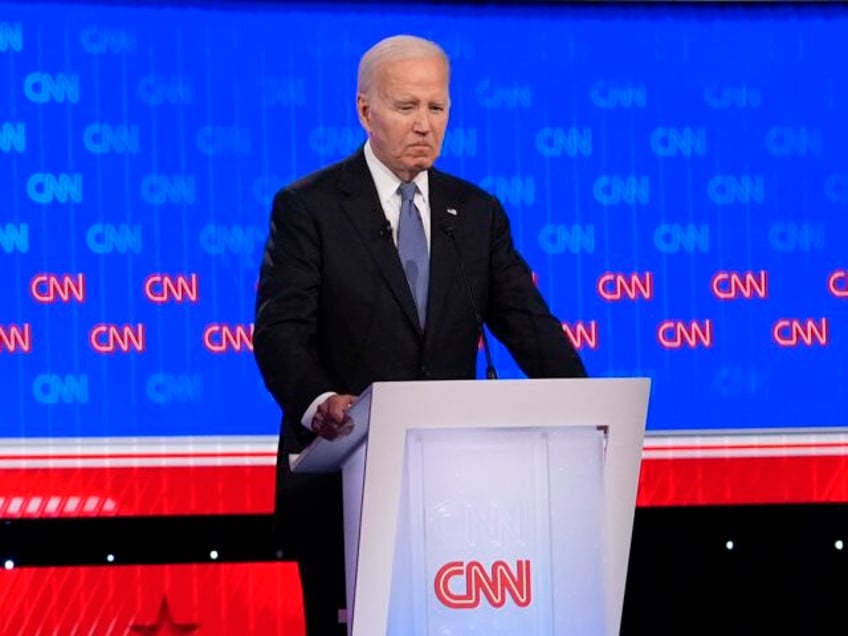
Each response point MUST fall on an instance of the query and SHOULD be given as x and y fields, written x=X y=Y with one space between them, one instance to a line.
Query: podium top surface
x=519 y=403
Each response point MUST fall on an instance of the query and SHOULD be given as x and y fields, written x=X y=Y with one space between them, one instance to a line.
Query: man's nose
x=422 y=121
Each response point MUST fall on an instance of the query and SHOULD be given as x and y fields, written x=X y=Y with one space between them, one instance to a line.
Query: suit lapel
x=362 y=206
x=443 y=258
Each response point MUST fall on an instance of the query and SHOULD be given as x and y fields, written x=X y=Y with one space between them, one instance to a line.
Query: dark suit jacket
x=335 y=313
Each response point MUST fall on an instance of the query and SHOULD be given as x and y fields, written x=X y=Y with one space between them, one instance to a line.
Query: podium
x=479 y=507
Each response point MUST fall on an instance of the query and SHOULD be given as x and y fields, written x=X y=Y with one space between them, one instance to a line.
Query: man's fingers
x=325 y=429
x=331 y=430
x=338 y=406
x=322 y=409
x=346 y=427
x=337 y=412
x=331 y=419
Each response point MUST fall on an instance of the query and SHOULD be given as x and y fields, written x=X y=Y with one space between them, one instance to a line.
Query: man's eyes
x=406 y=108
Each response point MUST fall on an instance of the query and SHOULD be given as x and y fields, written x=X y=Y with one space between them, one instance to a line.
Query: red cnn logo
x=52 y=288
x=676 y=334
x=16 y=338
x=790 y=332
x=108 y=338
x=582 y=335
x=730 y=285
x=479 y=583
x=837 y=283
x=615 y=286
x=162 y=288
x=219 y=338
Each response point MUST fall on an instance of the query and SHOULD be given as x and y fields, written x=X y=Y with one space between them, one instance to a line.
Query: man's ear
x=363 y=111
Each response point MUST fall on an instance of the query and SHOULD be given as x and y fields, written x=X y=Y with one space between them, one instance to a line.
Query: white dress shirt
x=387 y=184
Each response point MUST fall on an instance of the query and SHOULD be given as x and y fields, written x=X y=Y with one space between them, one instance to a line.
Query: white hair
x=395 y=49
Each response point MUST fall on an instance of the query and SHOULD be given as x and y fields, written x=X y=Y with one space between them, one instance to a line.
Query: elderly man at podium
x=383 y=268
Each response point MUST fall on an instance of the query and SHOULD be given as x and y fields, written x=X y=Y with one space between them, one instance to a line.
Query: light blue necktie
x=412 y=247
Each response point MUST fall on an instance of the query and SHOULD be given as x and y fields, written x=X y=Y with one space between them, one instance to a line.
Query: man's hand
x=331 y=419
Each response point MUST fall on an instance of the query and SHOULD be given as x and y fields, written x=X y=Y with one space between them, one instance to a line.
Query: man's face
x=406 y=114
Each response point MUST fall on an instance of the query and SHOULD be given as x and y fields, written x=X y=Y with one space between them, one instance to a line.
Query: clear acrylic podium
x=475 y=507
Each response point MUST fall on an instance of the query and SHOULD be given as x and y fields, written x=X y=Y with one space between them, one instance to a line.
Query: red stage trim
x=147 y=490
x=743 y=480
x=207 y=476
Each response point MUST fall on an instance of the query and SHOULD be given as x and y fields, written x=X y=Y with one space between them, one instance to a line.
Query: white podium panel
x=488 y=507
x=499 y=533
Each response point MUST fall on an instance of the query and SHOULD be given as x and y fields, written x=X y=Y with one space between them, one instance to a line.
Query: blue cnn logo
x=684 y=142
x=98 y=40
x=460 y=142
x=156 y=89
x=557 y=239
x=169 y=388
x=265 y=187
x=733 y=96
x=14 y=238
x=11 y=37
x=614 y=190
x=836 y=188
x=102 y=139
x=741 y=381
x=12 y=137
x=283 y=91
x=105 y=238
x=556 y=142
x=607 y=95
x=728 y=189
x=158 y=189
x=797 y=237
x=232 y=239
x=782 y=141
x=511 y=190
x=490 y=95
x=44 y=87
x=671 y=238
x=50 y=389
x=330 y=141
x=224 y=140
x=43 y=187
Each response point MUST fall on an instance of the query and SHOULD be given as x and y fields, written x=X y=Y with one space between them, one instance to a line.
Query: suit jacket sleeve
x=518 y=315
x=285 y=338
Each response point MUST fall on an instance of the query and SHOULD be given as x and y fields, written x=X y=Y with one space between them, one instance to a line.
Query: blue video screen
x=676 y=177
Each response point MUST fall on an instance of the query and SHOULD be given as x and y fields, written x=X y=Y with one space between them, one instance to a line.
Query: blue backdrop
x=676 y=177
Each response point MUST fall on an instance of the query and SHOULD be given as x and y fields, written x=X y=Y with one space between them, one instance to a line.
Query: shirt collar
x=387 y=182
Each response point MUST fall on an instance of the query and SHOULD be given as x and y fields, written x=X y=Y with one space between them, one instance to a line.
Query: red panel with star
x=204 y=599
